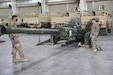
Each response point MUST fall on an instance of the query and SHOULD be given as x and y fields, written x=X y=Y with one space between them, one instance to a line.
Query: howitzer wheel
x=87 y=40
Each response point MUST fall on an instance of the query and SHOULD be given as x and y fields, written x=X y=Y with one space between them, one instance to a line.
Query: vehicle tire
x=87 y=40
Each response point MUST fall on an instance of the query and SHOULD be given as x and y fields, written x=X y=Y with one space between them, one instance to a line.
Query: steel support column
x=14 y=7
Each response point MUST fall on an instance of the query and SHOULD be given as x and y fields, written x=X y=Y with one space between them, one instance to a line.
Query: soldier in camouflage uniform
x=94 y=33
x=16 y=45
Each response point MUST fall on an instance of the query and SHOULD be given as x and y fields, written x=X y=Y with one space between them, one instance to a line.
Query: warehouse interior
x=45 y=28
x=58 y=5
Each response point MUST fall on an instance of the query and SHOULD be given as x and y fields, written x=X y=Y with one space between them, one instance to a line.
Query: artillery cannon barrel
x=8 y=30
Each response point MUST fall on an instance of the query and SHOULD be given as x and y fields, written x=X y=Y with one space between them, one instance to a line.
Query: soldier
x=16 y=45
x=94 y=33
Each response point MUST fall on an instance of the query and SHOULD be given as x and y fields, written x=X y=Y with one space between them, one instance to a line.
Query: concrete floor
x=57 y=60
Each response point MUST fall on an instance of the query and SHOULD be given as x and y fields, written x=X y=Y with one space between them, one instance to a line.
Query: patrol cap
x=13 y=16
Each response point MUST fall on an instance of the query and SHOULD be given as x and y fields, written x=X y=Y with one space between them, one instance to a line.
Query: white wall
x=57 y=8
x=5 y=12
x=71 y=6
x=22 y=10
x=108 y=4
x=61 y=8
x=28 y=10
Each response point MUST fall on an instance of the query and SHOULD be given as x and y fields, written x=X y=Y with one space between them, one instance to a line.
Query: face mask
x=16 y=20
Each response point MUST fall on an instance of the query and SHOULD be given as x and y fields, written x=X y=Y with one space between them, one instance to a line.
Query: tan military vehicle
x=58 y=20
x=105 y=19
x=31 y=19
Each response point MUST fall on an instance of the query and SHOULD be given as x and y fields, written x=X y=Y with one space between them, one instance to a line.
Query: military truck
x=105 y=20
x=31 y=20
x=45 y=20
x=34 y=20
x=59 y=20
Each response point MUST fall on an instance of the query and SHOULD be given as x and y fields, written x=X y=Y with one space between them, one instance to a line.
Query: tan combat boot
x=95 y=50
x=23 y=59
x=85 y=46
x=79 y=44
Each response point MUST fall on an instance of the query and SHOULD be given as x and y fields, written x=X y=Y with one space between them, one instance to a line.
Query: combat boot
x=79 y=44
x=23 y=59
x=95 y=50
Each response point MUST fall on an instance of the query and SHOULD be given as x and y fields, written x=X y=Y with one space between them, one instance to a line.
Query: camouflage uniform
x=16 y=45
x=94 y=33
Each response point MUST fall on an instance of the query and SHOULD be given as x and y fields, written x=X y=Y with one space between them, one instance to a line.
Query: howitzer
x=63 y=33
x=70 y=32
